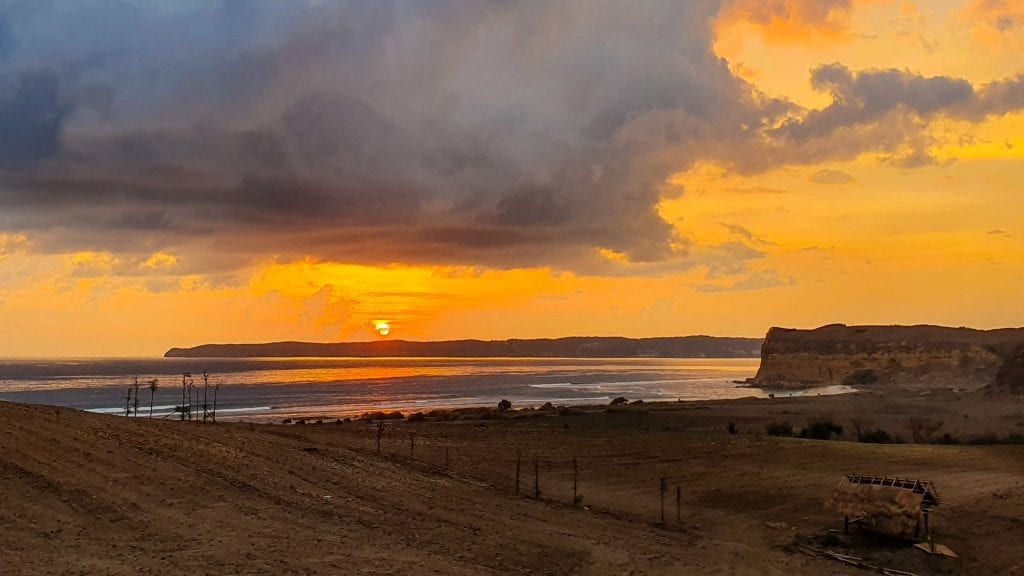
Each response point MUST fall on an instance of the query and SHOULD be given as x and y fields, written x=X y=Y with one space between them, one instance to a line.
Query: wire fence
x=526 y=473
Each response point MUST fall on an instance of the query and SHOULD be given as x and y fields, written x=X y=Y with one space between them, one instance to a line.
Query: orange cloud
x=790 y=20
x=995 y=20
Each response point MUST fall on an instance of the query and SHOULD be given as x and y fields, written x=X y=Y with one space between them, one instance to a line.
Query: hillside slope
x=101 y=495
x=90 y=494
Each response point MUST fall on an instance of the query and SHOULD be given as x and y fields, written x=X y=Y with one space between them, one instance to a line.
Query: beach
x=95 y=494
x=272 y=389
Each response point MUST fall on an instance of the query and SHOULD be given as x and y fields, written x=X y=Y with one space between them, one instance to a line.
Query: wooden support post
x=664 y=488
x=519 y=465
x=536 y=478
x=928 y=531
x=679 y=504
x=575 y=481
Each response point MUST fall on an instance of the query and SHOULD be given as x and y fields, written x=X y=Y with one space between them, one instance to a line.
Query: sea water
x=271 y=388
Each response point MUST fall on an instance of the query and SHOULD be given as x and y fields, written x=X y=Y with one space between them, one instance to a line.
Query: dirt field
x=89 y=494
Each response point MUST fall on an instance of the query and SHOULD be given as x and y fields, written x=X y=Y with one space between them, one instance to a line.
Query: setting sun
x=567 y=280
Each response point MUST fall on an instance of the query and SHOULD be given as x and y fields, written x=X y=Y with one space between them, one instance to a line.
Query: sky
x=177 y=172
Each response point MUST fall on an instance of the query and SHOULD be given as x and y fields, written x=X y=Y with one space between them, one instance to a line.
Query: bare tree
x=206 y=387
x=861 y=426
x=135 y=401
x=922 y=429
x=186 y=406
x=152 y=391
x=216 y=387
x=128 y=402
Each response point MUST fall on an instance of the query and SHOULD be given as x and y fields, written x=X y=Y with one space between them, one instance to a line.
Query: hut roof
x=929 y=497
x=892 y=506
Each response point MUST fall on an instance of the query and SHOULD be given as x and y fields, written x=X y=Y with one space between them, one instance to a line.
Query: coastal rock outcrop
x=901 y=356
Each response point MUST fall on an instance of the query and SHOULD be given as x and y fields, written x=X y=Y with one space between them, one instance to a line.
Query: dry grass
x=889 y=511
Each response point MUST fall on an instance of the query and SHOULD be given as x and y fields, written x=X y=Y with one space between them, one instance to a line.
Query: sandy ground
x=89 y=494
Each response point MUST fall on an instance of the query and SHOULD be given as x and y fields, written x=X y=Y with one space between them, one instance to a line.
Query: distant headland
x=572 y=347
x=917 y=357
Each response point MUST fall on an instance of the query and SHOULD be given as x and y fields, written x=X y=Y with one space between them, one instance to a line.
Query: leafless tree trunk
x=216 y=387
x=152 y=392
x=206 y=387
x=135 y=401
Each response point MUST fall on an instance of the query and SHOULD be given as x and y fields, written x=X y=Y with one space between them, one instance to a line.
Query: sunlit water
x=272 y=388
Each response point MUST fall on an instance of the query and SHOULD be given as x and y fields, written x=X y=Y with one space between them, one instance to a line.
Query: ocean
x=268 y=389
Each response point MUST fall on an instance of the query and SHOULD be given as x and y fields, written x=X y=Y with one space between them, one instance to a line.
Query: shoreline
x=271 y=414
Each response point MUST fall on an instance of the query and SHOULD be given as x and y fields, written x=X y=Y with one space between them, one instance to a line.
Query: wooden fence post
x=380 y=432
x=679 y=504
x=664 y=488
x=575 y=481
x=536 y=478
x=519 y=465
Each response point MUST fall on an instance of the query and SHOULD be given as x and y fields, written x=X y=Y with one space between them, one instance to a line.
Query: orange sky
x=868 y=236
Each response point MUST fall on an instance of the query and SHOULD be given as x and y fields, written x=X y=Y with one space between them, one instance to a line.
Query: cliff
x=901 y=356
x=577 y=347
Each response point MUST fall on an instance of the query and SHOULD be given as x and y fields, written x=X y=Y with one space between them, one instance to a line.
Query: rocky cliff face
x=903 y=356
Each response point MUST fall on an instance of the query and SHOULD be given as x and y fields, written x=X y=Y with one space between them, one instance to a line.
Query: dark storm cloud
x=882 y=111
x=870 y=96
x=518 y=133
x=30 y=118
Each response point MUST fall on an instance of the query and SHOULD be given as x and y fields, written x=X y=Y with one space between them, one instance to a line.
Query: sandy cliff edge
x=921 y=357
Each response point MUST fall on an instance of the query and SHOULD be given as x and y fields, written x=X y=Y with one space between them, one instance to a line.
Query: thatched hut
x=894 y=507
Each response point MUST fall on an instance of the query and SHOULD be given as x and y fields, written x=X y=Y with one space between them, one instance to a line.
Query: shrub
x=876 y=436
x=779 y=429
x=992 y=439
x=861 y=427
x=948 y=439
x=922 y=429
x=822 y=429
x=416 y=417
x=439 y=415
x=985 y=439
x=731 y=428
x=617 y=401
x=286 y=421
x=379 y=415
x=504 y=405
